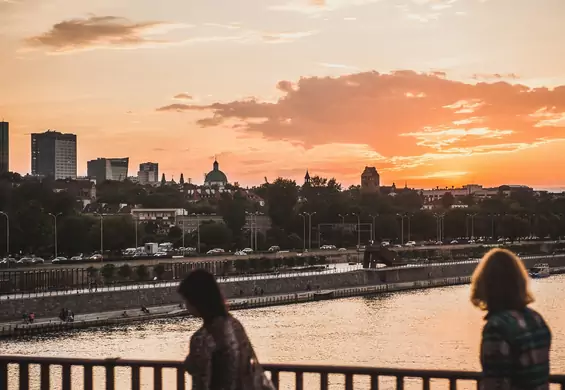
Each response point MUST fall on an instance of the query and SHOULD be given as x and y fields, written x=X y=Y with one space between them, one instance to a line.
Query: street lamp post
x=402 y=216
x=135 y=221
x=101 y=237
x=358 y=229
x=342 y=219
x=473 y=225
x=373 y=217
x=197 y=231
x=7 y=233
x=310 y=229
x=439 y=226
x=303 y=232
x=55 y=227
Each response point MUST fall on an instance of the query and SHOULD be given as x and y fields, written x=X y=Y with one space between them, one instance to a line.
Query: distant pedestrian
x=221 y=356
x=516 y=340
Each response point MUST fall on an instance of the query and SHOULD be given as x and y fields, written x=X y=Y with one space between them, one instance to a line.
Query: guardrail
x=18 y=372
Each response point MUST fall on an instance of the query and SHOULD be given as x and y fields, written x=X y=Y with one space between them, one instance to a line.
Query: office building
x=54 y=154
x=4 y=147
x=103 y=169
x=148 y=173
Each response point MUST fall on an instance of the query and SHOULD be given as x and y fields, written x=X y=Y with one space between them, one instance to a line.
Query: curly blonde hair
x=500 y=282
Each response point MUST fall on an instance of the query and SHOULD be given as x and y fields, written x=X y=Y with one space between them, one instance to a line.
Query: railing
x=17 y=372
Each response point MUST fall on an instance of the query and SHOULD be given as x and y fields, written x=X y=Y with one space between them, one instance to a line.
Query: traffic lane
x=200 y=259
x=231 y=257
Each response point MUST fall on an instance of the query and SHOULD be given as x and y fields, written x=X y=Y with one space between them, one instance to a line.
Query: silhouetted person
x=516 y=340
x=221 y=356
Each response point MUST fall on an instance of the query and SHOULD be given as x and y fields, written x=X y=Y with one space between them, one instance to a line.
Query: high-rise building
x=54 y=154
x=148 y=173
x=4 y=147
x=103 y=169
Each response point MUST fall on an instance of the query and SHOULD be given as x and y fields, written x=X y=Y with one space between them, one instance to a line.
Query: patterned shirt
x=220 y=356
x=515 y=351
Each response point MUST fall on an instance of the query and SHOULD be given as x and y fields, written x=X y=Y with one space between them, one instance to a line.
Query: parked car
x=240 y=253
x=58 y=259
x=8 y=261
x=25 y=260
x=76 y=258
x=411 y=243
x=96 y=256
x=342 y=249
x=247 y=250
x=160 y=254
x=38 y=260
x=274 y=248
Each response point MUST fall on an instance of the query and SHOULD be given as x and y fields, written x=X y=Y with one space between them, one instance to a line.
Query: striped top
x=515 y=351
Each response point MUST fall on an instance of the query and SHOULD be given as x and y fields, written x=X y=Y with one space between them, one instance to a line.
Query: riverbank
x=123 y=317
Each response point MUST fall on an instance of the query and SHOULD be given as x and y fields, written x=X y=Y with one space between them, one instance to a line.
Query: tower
x=307 y=178
x=370 y=180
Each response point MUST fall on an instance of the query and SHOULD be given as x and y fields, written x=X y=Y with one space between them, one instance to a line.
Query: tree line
x=333 y=212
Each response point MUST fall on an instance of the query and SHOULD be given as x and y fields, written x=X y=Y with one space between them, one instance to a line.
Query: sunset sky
x=432 y=92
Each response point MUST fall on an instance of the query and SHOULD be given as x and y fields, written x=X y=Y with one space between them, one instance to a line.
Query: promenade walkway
x=331 y=269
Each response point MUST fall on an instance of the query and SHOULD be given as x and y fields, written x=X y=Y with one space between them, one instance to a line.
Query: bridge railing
x=22 y=373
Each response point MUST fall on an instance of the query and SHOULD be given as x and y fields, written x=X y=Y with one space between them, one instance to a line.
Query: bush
x=142 y=272
x=108 y=272
x=159 y=270
x=125 y=271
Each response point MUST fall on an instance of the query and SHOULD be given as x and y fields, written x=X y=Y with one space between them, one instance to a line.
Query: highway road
x=231 y=257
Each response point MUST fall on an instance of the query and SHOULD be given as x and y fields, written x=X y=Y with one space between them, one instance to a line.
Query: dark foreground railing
x=23 y=373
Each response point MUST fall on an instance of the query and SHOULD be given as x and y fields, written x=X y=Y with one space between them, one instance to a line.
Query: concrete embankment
x=116 y=318
x=276 y=291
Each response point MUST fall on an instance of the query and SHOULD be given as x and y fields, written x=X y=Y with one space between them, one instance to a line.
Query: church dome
x=215 y=176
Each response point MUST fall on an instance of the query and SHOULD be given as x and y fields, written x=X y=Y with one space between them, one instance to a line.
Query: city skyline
x=280 y=86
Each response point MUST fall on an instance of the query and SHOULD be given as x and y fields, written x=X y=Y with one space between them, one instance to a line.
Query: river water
x=434 y=328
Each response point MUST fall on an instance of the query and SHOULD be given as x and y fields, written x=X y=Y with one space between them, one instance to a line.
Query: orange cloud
x=443 y=118
x=95 y=31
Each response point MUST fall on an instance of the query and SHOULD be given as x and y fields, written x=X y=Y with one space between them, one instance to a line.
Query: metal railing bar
x=181 y=385
x=3 y=375
x=45 y=376
x=110 y=377
x=157 y=378
x=275 y=378
x=374 y=382
x=349 y=382
x=87 y=377
x=425 y=383
x=66 y=376
x=135 y=378
x=399 y=382
x=299 y=381
x=24 y=376
x=324 y=381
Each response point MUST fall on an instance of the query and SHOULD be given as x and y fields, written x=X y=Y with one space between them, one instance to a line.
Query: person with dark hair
x=221 y=356
x=516 y=340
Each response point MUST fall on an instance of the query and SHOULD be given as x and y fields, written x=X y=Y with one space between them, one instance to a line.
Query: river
x=434 y=328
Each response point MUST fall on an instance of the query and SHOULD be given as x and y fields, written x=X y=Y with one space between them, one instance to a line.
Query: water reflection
x=436 y=328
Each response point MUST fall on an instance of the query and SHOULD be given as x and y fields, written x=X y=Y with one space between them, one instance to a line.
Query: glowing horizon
x=432 y=92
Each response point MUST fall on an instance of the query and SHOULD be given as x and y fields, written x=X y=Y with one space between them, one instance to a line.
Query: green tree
x=142 y=272
x=447 y=200
x=232 y=208
x=213 y=234
x=125 y=271
x=159 y=271
x=108 y=272
x=281 y=197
